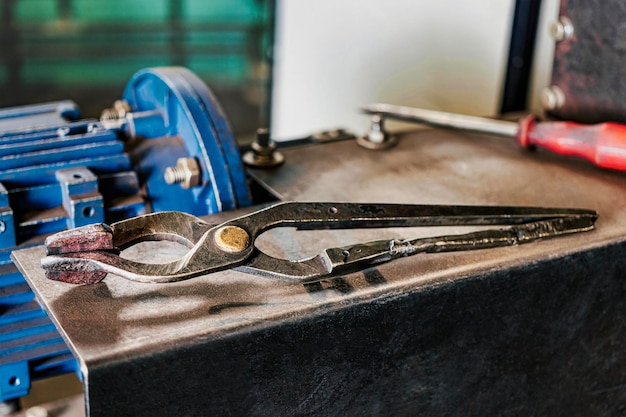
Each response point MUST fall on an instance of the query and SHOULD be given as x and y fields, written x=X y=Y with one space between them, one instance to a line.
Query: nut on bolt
x=117 y=111
x=552 y=98
x=377 y=138
x=263 y=153
x=186 y=173
x=562 y=29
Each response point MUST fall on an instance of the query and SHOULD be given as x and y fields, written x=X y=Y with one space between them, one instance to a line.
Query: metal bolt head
x=232 y=239
x=562 y=29
x=377 y=138
x=117 y=111
x=263 y=153
x=552 y=98
x=186 y=173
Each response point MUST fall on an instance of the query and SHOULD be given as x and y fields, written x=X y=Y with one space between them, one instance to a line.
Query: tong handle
x=317 y=216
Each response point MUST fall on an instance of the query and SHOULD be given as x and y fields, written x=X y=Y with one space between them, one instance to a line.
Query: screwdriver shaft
x=443 y=119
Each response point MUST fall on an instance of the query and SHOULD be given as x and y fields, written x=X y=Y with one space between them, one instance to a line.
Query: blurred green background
x=86 y=50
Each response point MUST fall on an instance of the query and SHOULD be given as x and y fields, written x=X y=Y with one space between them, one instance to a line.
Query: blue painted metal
x=192 y=116
x=59 y=172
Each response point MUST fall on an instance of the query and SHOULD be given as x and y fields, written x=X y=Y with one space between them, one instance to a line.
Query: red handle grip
x=603 y=144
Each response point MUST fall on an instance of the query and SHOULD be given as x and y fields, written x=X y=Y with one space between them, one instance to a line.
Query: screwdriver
x=603 y=144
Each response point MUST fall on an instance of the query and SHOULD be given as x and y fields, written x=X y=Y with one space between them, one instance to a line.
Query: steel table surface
x=529 y=330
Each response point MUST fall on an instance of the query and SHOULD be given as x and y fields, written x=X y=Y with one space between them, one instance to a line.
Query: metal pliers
x=85 y=255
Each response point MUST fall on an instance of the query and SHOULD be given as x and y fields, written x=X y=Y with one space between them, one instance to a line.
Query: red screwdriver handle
x=603 y=144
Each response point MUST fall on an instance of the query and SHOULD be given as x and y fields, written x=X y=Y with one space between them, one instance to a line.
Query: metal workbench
x=530 y=330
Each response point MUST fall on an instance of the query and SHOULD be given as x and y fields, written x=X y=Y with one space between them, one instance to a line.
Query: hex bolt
x=117 y=111
x=377 y=138
x=263 y=153
x=562 y=29
x=552 y=98
x=232 y=239
x=186 y=173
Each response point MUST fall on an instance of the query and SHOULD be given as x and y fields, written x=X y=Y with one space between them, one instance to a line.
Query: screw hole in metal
x=89 y=212
x=333 y=210
x=14 y=381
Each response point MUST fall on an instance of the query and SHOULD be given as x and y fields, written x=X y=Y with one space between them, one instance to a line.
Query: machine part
x=231 y=244
x=263 y=153
x=552 y=98
x=602 y=144
x=562 y=29
x=58 y=171
x=157 y=97
x=186 y=173
x=589 y=61
x=377 y=138
x=114 y=114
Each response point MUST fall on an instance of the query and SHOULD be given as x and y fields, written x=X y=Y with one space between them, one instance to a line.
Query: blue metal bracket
x=81 y=199
x=7 y=224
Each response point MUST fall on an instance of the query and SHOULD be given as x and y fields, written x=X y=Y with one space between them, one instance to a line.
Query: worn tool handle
x=317 y=216
x=603 y=144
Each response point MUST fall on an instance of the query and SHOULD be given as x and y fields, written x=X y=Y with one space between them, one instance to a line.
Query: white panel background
x=332 y=56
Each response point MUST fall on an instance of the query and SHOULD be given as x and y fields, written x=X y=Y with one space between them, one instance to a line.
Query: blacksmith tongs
x=85 y=255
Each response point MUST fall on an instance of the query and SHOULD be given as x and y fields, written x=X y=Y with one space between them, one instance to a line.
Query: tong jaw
x=87 y=254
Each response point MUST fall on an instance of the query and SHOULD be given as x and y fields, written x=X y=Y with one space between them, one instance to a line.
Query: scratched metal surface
x=589 y=66
x=132 y=328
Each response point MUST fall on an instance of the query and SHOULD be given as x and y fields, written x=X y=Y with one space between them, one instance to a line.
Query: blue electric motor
x=165 y=145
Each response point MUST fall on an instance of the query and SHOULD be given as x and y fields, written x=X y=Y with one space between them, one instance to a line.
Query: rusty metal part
x=589 y=61
x=218 y=247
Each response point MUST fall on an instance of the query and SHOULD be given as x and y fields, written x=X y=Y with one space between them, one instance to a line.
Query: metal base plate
x=536 y=329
